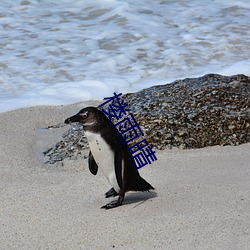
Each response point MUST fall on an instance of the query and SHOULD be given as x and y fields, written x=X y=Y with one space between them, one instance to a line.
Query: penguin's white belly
x=104 y=157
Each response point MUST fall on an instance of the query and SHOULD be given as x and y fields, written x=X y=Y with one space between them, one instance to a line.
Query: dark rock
x=190 y=113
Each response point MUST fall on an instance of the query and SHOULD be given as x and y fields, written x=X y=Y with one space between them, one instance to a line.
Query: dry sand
x=201 y=201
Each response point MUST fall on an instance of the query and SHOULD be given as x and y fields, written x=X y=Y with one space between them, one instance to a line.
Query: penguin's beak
x=74 y=118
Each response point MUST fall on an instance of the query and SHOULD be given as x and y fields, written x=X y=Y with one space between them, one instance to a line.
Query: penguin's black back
x=132 y=181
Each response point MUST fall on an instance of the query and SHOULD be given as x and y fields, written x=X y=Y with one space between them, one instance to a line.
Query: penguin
x=110 y=155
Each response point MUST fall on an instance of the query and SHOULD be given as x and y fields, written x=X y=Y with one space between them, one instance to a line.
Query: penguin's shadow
x=137 y=198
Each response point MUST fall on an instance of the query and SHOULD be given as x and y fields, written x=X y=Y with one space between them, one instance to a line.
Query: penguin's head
x=89 y=117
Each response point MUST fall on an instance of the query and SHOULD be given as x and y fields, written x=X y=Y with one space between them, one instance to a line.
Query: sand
x=201 y=200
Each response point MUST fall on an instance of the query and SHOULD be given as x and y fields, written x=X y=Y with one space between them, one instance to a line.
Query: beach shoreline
x=201 y=199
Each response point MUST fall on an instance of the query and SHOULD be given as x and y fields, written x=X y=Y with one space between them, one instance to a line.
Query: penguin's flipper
x=111 y=193
x=93 y=167
x=113 y=204
x=118 y=165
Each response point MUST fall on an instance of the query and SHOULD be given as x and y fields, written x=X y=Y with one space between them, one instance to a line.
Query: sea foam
x=63 y=52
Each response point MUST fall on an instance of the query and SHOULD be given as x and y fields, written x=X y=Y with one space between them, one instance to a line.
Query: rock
x=190 y=113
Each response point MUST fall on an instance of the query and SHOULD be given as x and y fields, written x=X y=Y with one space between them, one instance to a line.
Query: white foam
x=242 y=67
x=60 y=52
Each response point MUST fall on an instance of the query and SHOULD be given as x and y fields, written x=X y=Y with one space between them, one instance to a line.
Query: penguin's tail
x=141 y=185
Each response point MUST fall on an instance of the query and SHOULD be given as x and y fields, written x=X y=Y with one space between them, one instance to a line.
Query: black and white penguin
x=110 y=155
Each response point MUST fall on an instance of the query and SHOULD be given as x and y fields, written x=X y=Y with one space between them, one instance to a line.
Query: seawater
x=61 y=52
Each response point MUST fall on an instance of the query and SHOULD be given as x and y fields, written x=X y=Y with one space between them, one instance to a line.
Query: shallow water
x=63 y=52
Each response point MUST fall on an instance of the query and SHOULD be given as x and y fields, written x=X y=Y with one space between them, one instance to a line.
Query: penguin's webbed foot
x=113 y=204
x=111 y=193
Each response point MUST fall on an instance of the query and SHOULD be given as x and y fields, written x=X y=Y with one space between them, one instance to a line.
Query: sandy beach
x=201 y=198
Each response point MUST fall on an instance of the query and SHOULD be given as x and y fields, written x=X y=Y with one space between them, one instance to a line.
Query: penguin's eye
x=84 y=115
